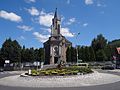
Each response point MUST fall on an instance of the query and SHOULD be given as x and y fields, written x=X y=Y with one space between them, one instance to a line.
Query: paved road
x=110 y=71
x=114 y=86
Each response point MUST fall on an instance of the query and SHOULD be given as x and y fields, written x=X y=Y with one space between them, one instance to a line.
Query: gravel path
x=60 y=81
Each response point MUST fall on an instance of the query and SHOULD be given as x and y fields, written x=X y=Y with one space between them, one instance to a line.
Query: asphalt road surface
x=112 y=86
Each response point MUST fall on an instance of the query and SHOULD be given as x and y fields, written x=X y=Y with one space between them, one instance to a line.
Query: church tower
x=56 y=46
x=55 y=27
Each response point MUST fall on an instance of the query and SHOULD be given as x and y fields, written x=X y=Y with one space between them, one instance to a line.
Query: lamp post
x=77 y=46
x=77 y=53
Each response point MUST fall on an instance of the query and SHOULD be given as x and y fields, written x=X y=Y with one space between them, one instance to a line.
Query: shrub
x=73 y=70
x=34 y=73
x=62 y=74
x=54 y=73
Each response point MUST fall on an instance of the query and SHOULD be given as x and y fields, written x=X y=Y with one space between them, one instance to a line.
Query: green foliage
x=99 y=43
x=73 y=70
x=101 y=56
x=31 y=55
x=100 y=50
x=86 y=54
x=35 y=73
x=68 y=55
x=71 y=54
x=11 y=50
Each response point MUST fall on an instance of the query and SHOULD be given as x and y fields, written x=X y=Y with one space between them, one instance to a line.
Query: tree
x=68 y=55
x=16 y=56
x=99 y=43
x=92 y=54
x=101 y=56
x=87 y=54
x=108 y=52
x=73 y=54
x=29 y=55
x=81 y=53
x=11 y=50
x=1 y=60
x=41 y=54
x=7 y=49
x=23 y=57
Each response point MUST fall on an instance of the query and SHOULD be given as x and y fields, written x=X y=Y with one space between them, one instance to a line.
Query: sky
x=29 y=21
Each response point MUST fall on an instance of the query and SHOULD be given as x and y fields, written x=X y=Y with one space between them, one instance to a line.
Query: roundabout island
x=50 y=81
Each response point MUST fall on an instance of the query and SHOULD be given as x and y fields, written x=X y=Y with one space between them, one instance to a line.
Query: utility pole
x=77 y=46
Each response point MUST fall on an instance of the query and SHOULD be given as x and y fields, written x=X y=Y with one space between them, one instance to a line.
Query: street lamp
x=77 y=45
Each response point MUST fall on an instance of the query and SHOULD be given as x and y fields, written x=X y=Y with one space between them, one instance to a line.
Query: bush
x=34 y=73
x=62 y=74
x=54 y=73
x=73 y=70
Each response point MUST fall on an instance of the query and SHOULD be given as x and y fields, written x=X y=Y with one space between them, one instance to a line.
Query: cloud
x=30 y=1
x=46 y=29
x=40 y=37
x=66 y=32
x=33 y=11
x=70 y=21
x=10 y=16
x=68 y=1
x=100 y=4
x=85 y=24
x=45 y=19
x=22 y=37
x=25 y=28
x=88 y=2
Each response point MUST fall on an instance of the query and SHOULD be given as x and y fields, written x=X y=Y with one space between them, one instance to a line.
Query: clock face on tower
x=55 y=49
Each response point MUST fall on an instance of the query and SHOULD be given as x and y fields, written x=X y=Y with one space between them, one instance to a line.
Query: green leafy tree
x=92 y=54
x=1 y=60
x=11 y=50
x=68 y=55
x=101 y=56
x=16 y=56
x=29 y=55
x=73 y=55
x=23 y=57
x=41 y=54
x=87 y=54
x=99 y=43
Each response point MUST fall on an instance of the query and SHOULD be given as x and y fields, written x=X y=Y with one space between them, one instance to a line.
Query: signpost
x=42 y=63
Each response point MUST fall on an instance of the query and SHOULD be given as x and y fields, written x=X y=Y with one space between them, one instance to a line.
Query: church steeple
x=55 y=27
x=55 y=15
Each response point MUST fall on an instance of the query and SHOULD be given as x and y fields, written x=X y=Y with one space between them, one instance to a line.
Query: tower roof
x=55 y=15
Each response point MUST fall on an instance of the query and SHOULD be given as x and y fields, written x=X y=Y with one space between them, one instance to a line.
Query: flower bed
x=73 y=70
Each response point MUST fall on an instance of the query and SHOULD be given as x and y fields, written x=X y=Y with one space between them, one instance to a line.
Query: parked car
x=1 y=69
x=108 y=67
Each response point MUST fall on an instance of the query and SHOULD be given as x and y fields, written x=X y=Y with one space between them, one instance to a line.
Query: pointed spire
x=55 y=13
